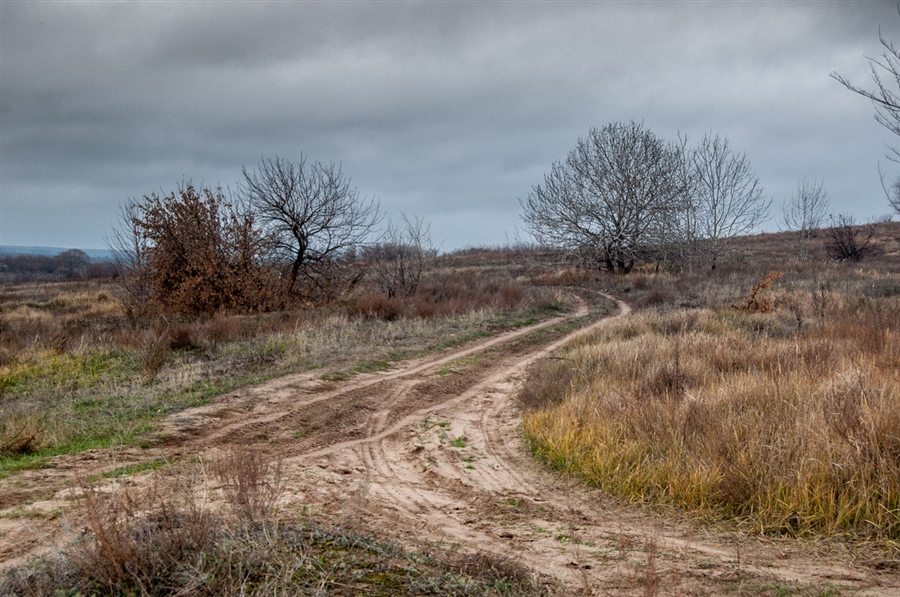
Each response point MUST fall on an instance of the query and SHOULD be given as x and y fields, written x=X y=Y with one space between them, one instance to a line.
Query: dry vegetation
x=776 y=406
x=77 y=373
x=165 y=538
x=769 y=398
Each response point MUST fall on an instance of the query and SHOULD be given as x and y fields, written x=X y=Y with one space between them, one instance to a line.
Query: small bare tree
x=128 y=244
x=847 y=241
x=402 y=255
x=311 y=213
x=727 y=195
x=805 y=212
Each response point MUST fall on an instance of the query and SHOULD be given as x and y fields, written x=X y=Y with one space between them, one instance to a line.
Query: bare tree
x=885 y=72
x=609 y=197
x=727 y=195
x=847 y=241
x=310 y=212
x=805 y=212
x=894 y=196
x=401 y=256
x=677 y=231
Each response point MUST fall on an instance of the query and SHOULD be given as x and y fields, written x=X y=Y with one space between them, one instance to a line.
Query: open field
x=410 y=429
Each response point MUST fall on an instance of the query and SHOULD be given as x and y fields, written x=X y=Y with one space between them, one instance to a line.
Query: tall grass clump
x=789 y=427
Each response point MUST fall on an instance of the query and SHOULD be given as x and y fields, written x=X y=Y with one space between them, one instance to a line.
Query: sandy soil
x=430 y=452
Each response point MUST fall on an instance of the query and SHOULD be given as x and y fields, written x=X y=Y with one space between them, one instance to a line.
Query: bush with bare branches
x=847 y=241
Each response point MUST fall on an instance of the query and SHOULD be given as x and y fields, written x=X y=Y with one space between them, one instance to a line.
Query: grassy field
x=770 y=399
x=76 y=374
x=780 y=410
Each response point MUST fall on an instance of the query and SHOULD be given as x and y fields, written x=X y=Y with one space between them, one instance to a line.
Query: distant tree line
x=67 y=265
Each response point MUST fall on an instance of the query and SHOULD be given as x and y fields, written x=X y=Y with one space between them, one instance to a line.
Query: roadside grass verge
x=788 y=421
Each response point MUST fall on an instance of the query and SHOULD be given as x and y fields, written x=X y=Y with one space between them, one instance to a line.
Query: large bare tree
x=885 y=97
x=727 y=195
x=805 y=212
x=609 y=197
x=310 y=212
x=885 y=71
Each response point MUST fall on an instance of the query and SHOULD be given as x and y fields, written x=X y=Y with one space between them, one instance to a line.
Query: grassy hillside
x=771 y=398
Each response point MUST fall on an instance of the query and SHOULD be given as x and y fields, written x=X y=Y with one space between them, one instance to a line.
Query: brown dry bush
x=251 y=484
x=441 y=295
x=142 y=539
x=192 y=252
x=376 y=305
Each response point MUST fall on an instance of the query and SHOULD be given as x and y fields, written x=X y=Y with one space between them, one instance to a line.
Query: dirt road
x=431 y=452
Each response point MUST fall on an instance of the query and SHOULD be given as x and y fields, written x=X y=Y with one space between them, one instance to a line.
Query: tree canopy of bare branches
x=726 y=194
x=885 y=97
x=805 y=212
x=309 y=211
x=885 y=71
x=609 y=197
x=400 y=257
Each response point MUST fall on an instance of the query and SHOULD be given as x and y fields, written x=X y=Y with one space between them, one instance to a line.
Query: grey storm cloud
x=447 y=110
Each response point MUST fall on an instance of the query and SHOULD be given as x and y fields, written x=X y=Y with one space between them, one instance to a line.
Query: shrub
x=847 y=241
x=192 y=252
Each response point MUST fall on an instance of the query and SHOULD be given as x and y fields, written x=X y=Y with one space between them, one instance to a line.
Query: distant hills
x=95 y=254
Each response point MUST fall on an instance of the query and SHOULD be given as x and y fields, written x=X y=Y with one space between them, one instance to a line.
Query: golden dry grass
x=788 y=421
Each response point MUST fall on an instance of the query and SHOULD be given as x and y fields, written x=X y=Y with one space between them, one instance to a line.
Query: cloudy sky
x=449 y=110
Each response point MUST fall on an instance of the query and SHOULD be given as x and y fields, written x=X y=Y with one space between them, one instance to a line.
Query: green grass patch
x=65 y=371
x=459 y=442
x=133 y=469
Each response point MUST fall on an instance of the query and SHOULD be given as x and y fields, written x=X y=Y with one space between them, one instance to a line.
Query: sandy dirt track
x=431 y=452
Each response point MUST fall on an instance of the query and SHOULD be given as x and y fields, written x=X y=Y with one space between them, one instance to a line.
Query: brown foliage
x=202 y=255
x=760 y=301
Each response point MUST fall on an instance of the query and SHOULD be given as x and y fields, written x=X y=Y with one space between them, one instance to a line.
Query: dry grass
x=75 y=373
x=445 y=295
x=166 y=537
x=251 y=484
x=788 y=420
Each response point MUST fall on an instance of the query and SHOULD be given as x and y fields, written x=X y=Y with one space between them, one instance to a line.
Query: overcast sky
x=450 y=111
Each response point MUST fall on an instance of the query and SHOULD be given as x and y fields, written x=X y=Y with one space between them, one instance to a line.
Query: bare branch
x=727 y=195
x=310 y=211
